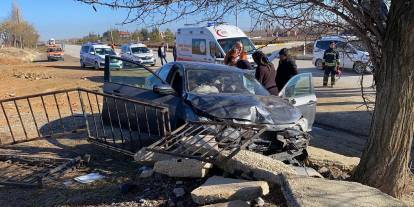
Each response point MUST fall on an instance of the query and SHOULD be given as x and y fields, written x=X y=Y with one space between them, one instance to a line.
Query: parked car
x=196 y=91
x=351 y=56
x=139 y=53
x=93 y=55
x=55 y=52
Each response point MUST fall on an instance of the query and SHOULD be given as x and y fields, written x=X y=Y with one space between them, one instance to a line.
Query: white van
x=139 y=53
x=351 y=55
x=211 y=43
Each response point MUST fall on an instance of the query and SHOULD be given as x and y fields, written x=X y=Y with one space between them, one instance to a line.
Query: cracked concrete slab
x=145 y=157
x=219 y=189
x=182 y=168
x=318 y=192
x=237 y=203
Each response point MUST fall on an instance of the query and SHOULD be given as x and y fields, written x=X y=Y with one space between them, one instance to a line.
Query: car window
x=139 y=50
x=299 y=85
x=85 y=49
x=324 y=45
x=204 y=81
x=199 y=47
x=163 y=72
x=228 y=43
x=104 y=51
x=214 y=51
x=130 y=74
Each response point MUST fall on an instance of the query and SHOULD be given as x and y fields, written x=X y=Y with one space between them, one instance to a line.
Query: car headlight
x=303 y=124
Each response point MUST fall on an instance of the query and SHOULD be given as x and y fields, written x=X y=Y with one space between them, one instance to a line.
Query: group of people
x=273 y=80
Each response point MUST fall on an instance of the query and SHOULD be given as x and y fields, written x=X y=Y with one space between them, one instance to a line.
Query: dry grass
x=14 y=56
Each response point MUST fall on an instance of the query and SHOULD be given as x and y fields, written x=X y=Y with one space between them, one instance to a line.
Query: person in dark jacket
x=286 y=69
x=330 y=63
x=243 y=62
x=162 y=53
x=265 y=72
x=175 y=53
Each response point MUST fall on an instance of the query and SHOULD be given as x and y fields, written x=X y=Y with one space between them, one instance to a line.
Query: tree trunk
x=384 y=162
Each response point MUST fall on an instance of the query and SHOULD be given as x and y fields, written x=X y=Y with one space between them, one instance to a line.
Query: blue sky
x=61 y=19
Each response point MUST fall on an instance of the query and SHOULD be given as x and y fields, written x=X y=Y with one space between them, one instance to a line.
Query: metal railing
x=208 y=141
x=120 y=123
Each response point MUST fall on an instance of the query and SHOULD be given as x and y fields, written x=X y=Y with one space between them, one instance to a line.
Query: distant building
x=123 y=34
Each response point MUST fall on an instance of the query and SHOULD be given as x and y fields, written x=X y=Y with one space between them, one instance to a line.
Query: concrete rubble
x=323 y=157
x=219 y=189
x=317 y=192
x=255 y=166
x=145 y=157
x=182 y=168
x=237 y=203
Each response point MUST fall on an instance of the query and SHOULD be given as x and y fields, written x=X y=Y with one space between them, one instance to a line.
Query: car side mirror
x=92 y=53
x=163 y=89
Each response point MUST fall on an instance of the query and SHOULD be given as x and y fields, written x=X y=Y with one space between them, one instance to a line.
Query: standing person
x=330 y=61
x=175 y=53
x=162 y=53
x=286 y=69
x=243 y=62
x=231 y=57
x=265 y=72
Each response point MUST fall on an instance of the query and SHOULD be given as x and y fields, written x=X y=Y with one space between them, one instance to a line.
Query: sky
x=63 y=19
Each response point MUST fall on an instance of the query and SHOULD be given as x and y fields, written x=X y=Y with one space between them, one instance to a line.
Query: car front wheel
x=359 y=67
x=96 y=66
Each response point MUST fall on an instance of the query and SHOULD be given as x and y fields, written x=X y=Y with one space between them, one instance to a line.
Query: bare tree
x=386 y=28
x=16 y=32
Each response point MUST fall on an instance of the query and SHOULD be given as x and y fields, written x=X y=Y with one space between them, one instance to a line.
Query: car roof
x=135 y=45
x=97 y=45
x=208 y=66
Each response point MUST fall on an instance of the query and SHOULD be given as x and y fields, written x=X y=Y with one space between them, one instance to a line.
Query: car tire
x=359 y=67
x=82 y=64
x=318 y=64
x=96 y=66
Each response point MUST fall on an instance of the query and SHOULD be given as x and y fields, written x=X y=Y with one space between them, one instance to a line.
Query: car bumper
x=55 y=57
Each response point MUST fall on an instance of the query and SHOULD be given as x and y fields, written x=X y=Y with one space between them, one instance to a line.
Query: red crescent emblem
x=220 y=33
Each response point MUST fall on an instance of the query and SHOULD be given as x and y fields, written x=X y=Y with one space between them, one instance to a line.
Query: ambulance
x=211 y=43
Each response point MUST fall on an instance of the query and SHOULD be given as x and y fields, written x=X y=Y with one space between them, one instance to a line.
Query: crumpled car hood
x=256 y=109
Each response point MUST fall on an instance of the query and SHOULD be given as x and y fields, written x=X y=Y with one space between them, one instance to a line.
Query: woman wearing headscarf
x=265 y=72
x=231 y=57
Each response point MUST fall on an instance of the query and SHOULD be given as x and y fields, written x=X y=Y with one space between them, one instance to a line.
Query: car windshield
x=139 y=50
x=203 y=81
x=104 y=51
x=229 y=43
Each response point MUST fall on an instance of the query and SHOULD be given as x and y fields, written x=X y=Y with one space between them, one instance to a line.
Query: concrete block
x=237 y=203
x=182 y=168
x=256 y=166
x=145 y=157
x=323 y=157
x=218 y=189
x=318 y=192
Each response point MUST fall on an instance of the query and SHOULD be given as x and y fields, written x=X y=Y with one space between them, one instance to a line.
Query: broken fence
x=208 y=141
x=121 y=124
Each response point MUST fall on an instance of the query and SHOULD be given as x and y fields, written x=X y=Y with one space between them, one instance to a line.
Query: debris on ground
x=31 y=76
x=145 y=157
x=89 y=178
x=321 y=157
x=307 y=171
x=146 y=172
x=183 y=168
x=237 y=203
x=219 y=189
x=179 y=192
x=317 y=192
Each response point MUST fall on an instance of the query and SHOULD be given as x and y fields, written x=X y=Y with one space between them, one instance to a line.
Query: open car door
x=300 y=92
